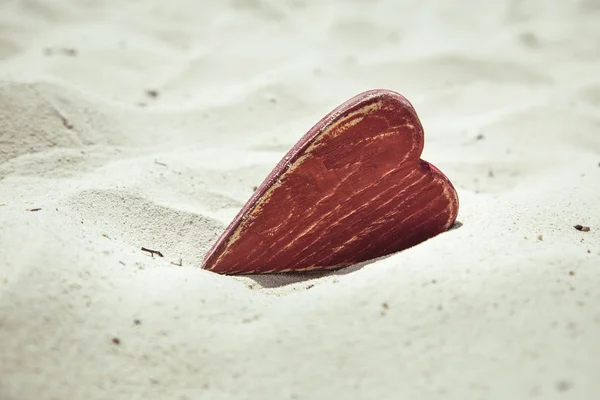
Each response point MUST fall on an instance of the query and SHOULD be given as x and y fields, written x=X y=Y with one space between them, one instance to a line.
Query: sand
x=147 y=124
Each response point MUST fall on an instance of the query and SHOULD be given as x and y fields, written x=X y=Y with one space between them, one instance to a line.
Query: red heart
x=352 y=189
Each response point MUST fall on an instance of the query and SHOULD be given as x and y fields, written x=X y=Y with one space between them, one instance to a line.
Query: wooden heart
x=352 y=189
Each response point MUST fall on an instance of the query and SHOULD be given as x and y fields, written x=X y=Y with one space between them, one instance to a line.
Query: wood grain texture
x=352 y=189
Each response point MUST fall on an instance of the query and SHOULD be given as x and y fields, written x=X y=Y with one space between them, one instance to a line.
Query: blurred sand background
x=147 y=123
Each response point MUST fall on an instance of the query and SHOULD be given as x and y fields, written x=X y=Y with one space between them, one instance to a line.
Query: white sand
x=486 y=311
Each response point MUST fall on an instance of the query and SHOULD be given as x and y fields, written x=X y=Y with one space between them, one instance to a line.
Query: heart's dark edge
x=300 y=147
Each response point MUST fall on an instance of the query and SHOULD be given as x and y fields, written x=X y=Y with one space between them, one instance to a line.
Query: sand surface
x=147 y=123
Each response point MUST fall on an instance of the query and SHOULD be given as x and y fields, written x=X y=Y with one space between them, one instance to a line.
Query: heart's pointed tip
x=207 y=264
x=213 y=269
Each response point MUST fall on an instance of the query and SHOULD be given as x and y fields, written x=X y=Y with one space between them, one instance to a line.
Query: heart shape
x=352 y=189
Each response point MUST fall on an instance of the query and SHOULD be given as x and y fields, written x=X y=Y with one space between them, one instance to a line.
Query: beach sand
x=147 y=124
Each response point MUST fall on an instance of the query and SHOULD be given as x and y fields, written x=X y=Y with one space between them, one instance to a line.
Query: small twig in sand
x=179 y=263
x=153 y=252
x=64 y=119
x=582 y=228
x=159 y=163
x=33 y=209
x=66 y=123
